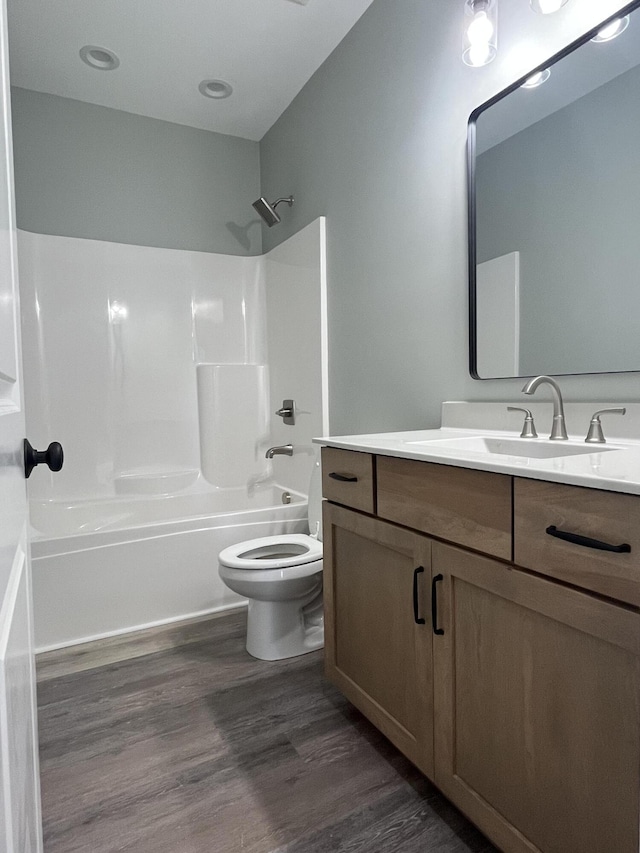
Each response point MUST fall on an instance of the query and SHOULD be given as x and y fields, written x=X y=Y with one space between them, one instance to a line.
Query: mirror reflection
x=555 y=253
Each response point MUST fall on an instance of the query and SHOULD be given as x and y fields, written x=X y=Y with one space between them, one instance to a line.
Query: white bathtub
x=109 y=566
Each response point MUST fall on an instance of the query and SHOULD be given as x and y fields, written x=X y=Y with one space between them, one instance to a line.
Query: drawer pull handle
x=434 y=605
x=416 y=606
x=586 y=541
x=343 y=478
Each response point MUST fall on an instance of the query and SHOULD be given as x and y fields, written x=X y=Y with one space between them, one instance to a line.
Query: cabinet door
x=537 y=692
x=377 y=650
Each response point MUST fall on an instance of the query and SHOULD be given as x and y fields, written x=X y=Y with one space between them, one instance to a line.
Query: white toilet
x=282 y=578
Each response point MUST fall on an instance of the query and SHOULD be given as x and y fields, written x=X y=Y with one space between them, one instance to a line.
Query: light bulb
x=612 y=30
x=480 y=30
x=479 y=55
x=480 y=33
x=547 y=7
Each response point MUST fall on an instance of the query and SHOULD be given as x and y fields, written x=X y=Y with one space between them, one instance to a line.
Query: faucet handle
x=595 y=434
x=287 y=412
x=528 y=428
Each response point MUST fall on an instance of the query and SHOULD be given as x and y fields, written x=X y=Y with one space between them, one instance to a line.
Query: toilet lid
x=272 y=552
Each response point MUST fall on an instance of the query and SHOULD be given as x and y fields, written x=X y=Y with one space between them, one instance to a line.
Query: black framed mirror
x=554 y=213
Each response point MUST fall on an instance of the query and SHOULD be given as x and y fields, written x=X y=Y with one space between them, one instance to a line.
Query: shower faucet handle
x=288 y=412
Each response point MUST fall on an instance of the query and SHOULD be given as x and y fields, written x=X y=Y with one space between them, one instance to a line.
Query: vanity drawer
x=347 y=478
x=471 y=508
x=607 y=517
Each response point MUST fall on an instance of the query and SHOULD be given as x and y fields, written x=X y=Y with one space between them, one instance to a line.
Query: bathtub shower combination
x=160 y=371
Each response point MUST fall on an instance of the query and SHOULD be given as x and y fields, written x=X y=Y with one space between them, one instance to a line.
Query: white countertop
x=614 y=466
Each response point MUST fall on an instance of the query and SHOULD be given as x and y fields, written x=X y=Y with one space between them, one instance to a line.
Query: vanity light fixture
x=99 y=57
x=547 y=7
x=480 y=40
x=611 y=30
x=536 y=79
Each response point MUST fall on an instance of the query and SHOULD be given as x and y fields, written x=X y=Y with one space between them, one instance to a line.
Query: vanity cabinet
x=377 y=637
x=347 y=478
x=536 y=691
x=519 y=695
x=472 y=508
x=609 y=518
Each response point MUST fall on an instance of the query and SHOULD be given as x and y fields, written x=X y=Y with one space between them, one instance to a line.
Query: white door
x=20 y=830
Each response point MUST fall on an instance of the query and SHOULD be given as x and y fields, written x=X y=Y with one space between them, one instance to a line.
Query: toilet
x=282 y=578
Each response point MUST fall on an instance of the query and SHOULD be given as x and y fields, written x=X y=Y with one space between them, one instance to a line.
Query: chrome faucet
x=558 y=429
x=284 y=450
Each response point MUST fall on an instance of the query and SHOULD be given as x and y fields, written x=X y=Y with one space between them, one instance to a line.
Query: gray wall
x=565 y=193
x=87 y=171
x=376 y=142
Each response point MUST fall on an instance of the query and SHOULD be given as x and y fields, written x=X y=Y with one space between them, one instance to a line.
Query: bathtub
x=112 y=565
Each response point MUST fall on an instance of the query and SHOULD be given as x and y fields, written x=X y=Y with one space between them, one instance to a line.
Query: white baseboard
x=187 y=617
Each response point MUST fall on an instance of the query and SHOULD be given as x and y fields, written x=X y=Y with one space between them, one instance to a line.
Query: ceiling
x=266 y=49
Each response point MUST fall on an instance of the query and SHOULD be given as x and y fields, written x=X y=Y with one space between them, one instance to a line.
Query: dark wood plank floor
x=202 y=749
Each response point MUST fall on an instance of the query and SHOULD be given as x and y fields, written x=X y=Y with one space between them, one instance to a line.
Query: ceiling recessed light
x=612 y=30
x=536 y=79
x=215 y=89
x=99 y=57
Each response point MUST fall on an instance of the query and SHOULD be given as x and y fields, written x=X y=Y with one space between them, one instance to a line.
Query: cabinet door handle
x=586 y=541
x=434 y=604
x=416 y=606
x=344 y=478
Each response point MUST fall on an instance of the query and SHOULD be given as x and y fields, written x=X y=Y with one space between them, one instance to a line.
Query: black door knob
x=52 y=456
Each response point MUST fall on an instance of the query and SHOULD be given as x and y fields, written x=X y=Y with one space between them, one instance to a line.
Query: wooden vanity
x=502 y=660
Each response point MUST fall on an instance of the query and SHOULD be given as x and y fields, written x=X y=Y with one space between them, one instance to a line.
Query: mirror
x=554 y=216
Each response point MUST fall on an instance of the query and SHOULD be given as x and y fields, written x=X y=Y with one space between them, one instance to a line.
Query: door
x=537 y=715
x=20 y=830
x=377 y=629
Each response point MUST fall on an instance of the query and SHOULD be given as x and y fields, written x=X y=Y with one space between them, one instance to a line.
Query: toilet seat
x=272 y=552
x=280 y=577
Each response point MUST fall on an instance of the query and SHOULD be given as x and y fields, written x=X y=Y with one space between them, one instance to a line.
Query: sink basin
x=530 y=449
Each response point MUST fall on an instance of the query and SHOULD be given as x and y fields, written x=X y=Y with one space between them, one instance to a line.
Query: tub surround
x=520 y=650
x=180 y=359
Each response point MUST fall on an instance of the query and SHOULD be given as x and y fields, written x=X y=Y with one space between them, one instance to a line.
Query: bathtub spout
x=284 y=450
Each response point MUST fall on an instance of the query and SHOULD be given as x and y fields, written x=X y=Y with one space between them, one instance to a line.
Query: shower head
x=268 y=211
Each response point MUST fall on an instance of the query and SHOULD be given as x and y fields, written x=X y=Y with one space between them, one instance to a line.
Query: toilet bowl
x=281 y=576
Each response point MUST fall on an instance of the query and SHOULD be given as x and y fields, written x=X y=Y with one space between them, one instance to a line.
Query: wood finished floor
x=202 y=749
